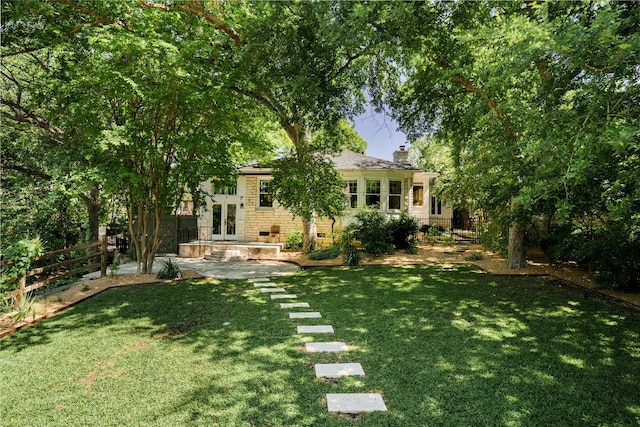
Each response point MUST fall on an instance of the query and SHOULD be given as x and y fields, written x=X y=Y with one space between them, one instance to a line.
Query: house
x=246 y=212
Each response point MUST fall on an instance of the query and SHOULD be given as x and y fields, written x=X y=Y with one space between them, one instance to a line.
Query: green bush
x=474 y=256
x=21 y=254
x=372 y=230
x=351 y=254
x=294 y=240
x=169 y=270
x=330 y=252
x=610 y=252
x=403 y=231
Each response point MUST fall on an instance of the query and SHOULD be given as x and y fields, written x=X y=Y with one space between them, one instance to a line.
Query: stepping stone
x=316 y=329
x=259 y=279
x=284 y=296
x=263 y=290
x=264 y=285
x=325 y=347
x=337 y=370
x=294 y=305
x=305 y=315
x=354 y=403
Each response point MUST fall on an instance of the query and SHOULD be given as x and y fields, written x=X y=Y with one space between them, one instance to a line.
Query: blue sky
x=381 y=134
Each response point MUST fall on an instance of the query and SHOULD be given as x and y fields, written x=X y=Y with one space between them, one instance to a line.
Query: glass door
x=223 y=226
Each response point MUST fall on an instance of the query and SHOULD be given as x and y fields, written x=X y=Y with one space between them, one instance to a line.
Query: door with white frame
x=224 y=214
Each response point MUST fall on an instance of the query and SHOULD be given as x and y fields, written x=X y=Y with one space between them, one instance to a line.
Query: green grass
x=448 y=347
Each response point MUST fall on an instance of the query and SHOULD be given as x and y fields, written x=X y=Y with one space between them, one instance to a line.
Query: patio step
x=226 y=255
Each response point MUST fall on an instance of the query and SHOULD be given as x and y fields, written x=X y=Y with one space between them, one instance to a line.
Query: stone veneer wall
x=261 y=219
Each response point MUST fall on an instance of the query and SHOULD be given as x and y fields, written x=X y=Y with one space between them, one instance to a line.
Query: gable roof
x=349 y=160
x=346 y=160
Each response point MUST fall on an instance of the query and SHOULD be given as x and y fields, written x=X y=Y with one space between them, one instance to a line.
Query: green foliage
x=474 y=256
x=403 y=231
x=21 y=254
x=337 y=137
x=115 y=265
x=169 y=270
x=350 y=248
x=494 y=237
x=609 y=251
x=294 y=240
x=330 y=252
x=20 y=307
x=371 y=229
x=308 y=185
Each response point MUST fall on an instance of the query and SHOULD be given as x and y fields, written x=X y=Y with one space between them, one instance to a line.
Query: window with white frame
x=395 y=194
x=436 y=206
x=352 y=192
x=266 y=201
x=372 y=192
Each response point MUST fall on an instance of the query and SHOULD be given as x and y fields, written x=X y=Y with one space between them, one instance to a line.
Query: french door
x=224 y=221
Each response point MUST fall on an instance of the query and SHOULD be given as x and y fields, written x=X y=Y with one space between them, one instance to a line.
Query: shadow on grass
x=456 y=347
x=444 y=347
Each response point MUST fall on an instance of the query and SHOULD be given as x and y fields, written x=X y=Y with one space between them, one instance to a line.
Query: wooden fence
x=59 y=271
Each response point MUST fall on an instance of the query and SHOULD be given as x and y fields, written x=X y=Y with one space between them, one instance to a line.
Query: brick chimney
x=401 y=155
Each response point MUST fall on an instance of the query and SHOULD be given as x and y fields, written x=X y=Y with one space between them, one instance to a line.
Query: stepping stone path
x=305 y=315
x=347 y=403
x=284 y=296
x=337 y=370
x=354 y=403
x=294 y=305
x=325 y=347
x=317 y=329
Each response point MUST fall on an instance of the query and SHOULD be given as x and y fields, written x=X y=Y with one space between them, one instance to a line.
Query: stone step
x=337 y=370
x=355 y=403
x=325 y=347
x=225 y=255
x=264 y=285
x=263 y=290
x=284 y=296
x=286 y=305
x=315 y=329
x=259 y=279
x=305 y=315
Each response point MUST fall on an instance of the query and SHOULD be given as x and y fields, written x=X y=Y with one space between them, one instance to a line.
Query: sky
x=381 y=134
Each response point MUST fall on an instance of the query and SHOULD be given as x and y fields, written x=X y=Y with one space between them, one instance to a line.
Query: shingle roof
x=349 y=160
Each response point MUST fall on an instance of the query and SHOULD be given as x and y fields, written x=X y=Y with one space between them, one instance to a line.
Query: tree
x=339 y=136
x=524 y=96
x=304 y=62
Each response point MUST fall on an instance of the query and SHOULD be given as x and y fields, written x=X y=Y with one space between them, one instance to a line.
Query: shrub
x=403 y=231
x=330 y=252
x=474 y=256
x=350 y=252
x=371 y=229
x=169 y=270
x=610 y=252
x=294 y=240
x=21 y=254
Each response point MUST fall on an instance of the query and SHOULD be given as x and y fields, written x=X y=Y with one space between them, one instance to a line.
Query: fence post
x=103 y=264
x=20 y=295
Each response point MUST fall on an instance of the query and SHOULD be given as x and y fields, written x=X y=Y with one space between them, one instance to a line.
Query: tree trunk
x=92 y=202
x=516 y=254
x=310 y=234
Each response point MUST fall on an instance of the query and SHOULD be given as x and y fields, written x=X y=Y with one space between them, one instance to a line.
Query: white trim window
x=436 y=206
x=372 y=192
x=395 y=195
x=264 y=195
x=352 y=193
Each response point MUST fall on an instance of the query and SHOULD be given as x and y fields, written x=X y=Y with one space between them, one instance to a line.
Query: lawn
x=444 y=346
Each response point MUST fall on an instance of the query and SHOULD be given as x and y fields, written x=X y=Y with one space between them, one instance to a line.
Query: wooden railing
x=55 y=276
